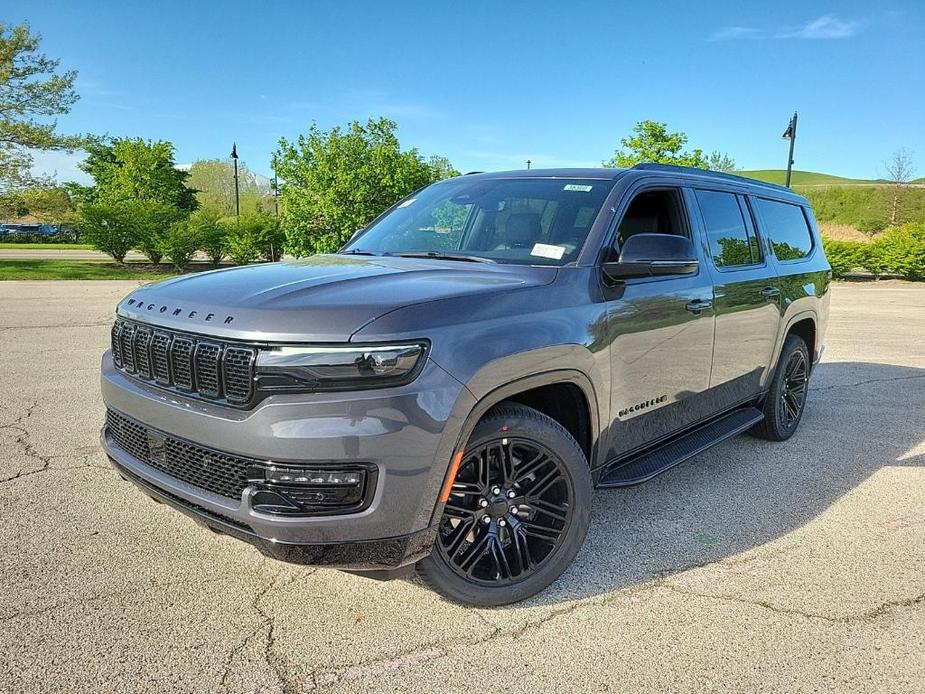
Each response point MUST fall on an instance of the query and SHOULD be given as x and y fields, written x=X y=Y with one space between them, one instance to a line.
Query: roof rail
x=645 y=166
x=469 y=173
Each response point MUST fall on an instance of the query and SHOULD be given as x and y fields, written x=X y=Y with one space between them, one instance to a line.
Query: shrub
x=845 y=256
x=871 y=225
x=252 y=237
x=180 y=244
x=153 y=221
x=900 y=251
x=109 y=228
x=211 y=235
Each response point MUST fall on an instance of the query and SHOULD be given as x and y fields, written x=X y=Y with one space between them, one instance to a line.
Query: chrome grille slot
x=238 y=373
x=181 y=361
x=127 y=339
x=160 y=356
x=208 y=374
x=141 y=344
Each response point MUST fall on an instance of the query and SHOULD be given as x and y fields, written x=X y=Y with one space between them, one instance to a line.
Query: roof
x=640 y=169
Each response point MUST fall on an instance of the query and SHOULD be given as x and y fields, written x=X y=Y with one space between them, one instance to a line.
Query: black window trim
x=809 y=230
x=746 y=214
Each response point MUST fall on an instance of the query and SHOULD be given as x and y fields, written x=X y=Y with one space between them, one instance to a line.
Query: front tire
x=518 y=511
x=786 y=399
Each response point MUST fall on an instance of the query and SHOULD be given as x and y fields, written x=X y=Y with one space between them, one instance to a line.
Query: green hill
x=804 y=178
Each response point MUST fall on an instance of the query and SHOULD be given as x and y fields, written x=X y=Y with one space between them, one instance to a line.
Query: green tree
x=136 y=169
x=204 y=224
x=651 y=142
x=32 y=93
x=441 y=167
x=337 y=181
x=109 y=227
x=213 y=181
x=720 y=161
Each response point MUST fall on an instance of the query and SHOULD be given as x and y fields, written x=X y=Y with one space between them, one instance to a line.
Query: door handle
x=770 y=292
x=698 y=305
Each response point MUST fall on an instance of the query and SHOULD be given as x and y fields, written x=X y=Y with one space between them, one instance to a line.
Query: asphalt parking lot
x=756 y=566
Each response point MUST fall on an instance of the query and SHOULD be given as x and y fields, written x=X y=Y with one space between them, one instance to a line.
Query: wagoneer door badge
x=638 y=407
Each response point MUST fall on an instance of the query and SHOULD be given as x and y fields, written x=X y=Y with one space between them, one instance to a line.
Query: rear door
x=746 y=295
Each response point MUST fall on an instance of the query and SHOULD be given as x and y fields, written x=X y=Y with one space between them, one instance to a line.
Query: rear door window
x=732 y=242
x=786 y=227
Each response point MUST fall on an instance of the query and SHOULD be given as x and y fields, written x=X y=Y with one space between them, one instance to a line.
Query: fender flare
x=501 y=393
x=795 y=318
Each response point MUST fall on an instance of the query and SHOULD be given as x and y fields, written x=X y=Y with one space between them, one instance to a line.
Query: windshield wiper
x=439 y=255
x=357 y=251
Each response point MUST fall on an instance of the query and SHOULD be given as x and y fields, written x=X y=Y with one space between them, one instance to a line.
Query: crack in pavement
x=879 y=611
x=864 y=383
x=267 y=623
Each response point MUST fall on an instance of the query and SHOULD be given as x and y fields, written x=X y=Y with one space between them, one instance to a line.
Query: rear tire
x=518 y=513
x=786 y=399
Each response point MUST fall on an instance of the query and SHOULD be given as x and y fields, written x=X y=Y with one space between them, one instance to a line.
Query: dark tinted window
x=730 y=241
x=785 y=225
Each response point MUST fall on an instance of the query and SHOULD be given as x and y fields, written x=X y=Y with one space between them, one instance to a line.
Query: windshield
x=528 y=221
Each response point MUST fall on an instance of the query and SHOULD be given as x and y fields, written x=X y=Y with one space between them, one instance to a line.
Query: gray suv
x=446 y=391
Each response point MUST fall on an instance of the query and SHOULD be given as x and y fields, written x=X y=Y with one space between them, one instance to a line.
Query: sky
x=492 y=84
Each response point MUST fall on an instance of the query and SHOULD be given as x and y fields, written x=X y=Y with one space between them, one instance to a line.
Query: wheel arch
x=526 y=390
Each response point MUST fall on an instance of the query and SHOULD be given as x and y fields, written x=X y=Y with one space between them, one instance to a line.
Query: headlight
x=335 y=368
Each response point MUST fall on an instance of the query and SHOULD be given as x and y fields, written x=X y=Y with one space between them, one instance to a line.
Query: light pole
x=790 y=134
x=528 y=164
x=275 y=188
x=237 y=197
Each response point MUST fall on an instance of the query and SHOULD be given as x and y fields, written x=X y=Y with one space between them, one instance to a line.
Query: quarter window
x=785 y=225
x=732 y=242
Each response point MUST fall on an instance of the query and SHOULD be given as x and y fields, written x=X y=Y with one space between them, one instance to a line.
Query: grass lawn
x=46 y=246
x=79 y=270
x=804 y=178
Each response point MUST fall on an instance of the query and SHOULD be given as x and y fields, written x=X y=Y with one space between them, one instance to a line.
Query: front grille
x=187 y=363
x=220 y=473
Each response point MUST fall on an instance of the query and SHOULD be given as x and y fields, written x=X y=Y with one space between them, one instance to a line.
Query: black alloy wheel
x=517 y=512
x=786 y=398
x=793 y=394
x=507 y=512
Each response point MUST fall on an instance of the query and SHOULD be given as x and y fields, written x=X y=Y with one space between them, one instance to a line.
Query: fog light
x=296 y=476
x=291 y=489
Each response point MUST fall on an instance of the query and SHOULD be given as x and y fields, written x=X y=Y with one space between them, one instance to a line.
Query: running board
x=648 y=464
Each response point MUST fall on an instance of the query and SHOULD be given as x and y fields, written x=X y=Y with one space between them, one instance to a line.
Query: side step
x=648 y=464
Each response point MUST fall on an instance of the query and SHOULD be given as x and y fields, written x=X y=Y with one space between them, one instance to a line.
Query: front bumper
x=408 y=432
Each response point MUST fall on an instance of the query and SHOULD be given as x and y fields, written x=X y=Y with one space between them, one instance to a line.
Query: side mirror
x=647 y=255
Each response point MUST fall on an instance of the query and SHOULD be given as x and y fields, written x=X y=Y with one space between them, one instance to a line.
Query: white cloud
x=827 y=26
x=62 y=166
x=735 y=32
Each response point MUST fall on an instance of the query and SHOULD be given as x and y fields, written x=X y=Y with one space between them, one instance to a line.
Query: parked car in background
x=447 y=391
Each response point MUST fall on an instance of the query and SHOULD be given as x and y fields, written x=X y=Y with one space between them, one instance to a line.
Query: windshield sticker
x=579 y=188
x=545 y=250
x=408 y=202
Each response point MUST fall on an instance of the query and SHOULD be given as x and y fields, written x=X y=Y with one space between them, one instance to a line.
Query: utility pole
x=528 y=164
x=237 y=197
x=790 y=134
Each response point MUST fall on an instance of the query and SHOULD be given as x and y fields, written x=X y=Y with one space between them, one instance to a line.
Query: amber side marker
x=451 y=477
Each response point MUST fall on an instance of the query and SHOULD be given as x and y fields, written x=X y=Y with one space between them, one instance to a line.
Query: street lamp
x=275 y=188
x=237 y=198
x=790 y=134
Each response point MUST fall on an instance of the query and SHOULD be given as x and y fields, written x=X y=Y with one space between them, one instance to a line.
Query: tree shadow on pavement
x=746 y=492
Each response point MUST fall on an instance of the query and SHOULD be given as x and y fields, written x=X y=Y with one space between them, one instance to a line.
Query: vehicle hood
x=325 y=298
